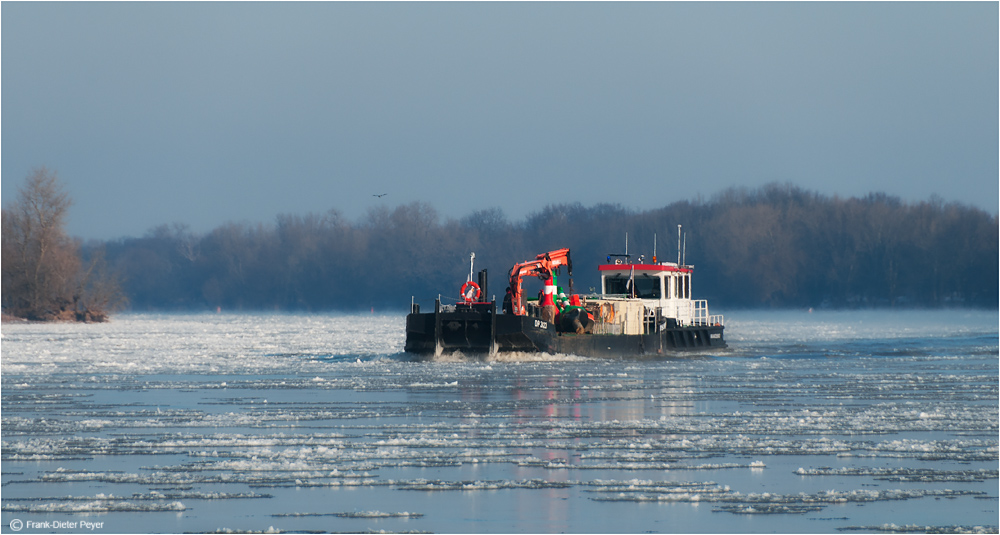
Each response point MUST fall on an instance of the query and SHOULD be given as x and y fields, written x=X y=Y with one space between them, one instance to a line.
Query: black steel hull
x=478 y=329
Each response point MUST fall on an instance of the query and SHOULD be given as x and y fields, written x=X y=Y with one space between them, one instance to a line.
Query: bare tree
x=42 y=279
x=98 y=290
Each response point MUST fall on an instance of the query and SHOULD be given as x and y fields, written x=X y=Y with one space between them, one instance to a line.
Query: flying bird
x=379 y=196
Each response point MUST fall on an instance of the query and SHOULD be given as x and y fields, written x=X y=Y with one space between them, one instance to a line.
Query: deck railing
x=700 y=315
x=607 y=328
x=688 y=313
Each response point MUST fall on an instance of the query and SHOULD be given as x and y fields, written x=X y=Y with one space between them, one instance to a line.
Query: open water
x=825 y=422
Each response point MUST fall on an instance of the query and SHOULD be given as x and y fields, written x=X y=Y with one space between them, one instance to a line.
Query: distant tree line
x=775 y=246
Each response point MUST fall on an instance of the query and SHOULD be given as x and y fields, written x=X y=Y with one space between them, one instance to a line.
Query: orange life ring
x=467 y=292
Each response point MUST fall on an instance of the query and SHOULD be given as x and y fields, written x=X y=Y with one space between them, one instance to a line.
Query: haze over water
x=824 y=422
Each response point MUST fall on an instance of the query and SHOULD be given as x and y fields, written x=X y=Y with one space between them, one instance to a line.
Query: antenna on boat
x=654 y=247
x=678 y=245
x=626 y=246
x=472 y=257
x=685 y=249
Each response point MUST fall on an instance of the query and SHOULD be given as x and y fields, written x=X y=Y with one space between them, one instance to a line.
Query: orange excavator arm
x=542 y=266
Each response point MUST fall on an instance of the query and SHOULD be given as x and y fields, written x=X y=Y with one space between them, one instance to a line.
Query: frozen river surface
x=825 y=422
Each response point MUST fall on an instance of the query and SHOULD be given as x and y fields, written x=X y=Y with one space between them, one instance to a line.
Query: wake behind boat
x=642 y=309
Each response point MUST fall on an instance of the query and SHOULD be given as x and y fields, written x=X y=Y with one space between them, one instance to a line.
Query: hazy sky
x=206 y=113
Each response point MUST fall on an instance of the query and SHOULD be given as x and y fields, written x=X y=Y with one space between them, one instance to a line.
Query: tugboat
x=643 y=309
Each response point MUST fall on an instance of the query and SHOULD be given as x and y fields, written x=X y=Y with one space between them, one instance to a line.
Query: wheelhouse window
x=679 y=286
x=646 y=286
